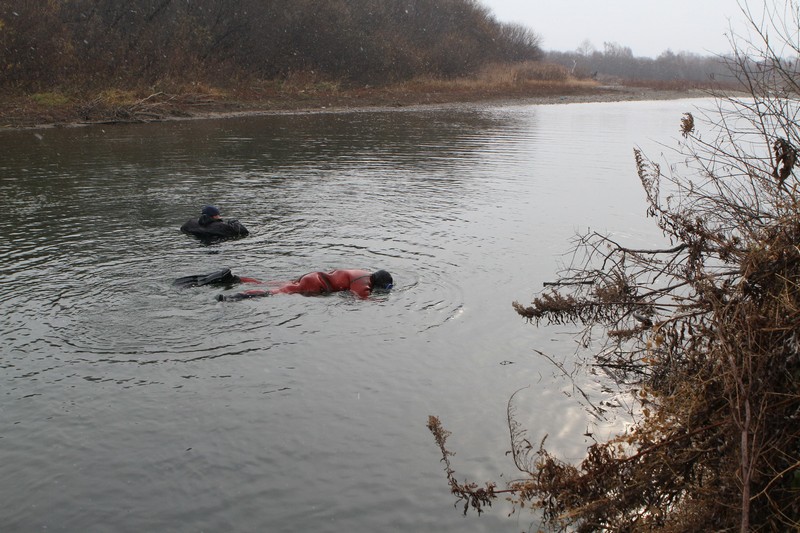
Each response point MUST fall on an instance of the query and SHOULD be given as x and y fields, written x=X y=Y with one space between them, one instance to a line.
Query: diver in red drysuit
x=360 y=282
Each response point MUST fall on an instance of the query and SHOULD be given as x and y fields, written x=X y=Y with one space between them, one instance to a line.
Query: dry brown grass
x=534 y=77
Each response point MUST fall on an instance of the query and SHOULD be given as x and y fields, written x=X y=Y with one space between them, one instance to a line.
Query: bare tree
x=586 y=48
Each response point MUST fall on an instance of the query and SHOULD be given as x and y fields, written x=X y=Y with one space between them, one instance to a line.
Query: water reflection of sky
x=286 y=397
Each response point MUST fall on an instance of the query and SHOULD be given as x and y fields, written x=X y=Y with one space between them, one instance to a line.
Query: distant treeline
x=97 y=43
x=617 y=61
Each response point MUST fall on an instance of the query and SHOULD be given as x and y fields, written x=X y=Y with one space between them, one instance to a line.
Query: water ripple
x=135 y=394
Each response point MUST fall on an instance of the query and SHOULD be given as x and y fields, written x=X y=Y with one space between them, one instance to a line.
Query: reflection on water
x=131 y=405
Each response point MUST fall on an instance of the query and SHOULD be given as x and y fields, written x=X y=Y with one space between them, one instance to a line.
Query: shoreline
x=161 y=107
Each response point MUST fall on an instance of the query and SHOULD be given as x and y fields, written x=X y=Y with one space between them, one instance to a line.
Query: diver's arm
x=255 y=293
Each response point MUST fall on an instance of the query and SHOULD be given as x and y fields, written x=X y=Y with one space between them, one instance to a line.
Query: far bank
x=196 y=101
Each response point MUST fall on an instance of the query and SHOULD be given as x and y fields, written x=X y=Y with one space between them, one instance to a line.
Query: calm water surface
x=129 y=405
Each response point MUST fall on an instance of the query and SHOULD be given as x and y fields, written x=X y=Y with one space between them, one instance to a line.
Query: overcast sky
x=647 y=27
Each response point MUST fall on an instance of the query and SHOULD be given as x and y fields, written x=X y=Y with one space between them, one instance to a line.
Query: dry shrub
x=118 y=106
x=50 y=99
x=311 y=82
x=119 y=97
x=535 y=71
x=516 y=73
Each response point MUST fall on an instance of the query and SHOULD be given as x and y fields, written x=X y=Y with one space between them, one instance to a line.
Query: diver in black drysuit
x=211 y=227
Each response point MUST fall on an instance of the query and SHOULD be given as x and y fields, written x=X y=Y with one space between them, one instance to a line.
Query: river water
x=129 y=405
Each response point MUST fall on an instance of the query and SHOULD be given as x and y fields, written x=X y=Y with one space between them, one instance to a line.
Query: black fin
x=220 y=277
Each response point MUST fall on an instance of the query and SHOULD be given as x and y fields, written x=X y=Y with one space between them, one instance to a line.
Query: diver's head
x=381 y=280
x=210 y=211
x=209 y=215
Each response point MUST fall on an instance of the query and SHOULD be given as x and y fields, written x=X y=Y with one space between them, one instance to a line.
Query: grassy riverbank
x=171 y=101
